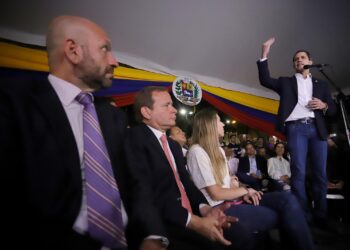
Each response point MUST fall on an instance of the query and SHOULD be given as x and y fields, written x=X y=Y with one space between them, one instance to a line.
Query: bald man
x=43 y=146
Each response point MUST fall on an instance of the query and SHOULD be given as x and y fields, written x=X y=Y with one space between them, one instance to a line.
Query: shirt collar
x=66 y=91
x=156 y=132
x=300 y=76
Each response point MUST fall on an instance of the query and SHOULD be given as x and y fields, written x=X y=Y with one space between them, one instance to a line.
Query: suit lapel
x=48 y=102
x=156 y=145
x=315 y=89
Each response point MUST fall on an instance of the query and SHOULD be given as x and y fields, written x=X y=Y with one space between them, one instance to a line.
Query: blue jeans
x=276 y=210
x=303 y=139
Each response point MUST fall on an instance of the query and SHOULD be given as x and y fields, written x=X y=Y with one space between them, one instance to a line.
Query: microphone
x=321 y=65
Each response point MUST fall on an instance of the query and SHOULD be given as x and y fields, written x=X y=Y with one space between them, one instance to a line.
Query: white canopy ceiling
x=217 y=42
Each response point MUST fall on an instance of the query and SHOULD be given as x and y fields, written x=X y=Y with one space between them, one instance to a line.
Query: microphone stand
x=340 y=97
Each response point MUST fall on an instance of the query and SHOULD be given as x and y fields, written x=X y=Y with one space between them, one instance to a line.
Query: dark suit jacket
x=244 y=164
x=287 y=88
x=40 y=162
x=155 y=200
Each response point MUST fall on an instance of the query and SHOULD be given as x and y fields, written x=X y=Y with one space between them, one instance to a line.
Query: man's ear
x=73 y=51
x=146 y=112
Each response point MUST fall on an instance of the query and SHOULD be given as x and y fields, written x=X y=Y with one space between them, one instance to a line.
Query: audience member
x=278 y=168
x=179 y=136
x=252 y=168
x=165 y=204
x=208 y=167
x=235 y=145
x=232 y=161
x=262 y=153
x=270 y=147
x=56 y=139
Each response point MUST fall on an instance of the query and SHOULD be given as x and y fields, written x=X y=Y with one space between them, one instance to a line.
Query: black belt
x=306 y=120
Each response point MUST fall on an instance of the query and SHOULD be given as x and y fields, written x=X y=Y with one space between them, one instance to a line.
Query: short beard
x=96 y=83
x=89 y=74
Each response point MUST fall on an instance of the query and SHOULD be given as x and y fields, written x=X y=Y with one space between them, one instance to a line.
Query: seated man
x=252 y=168
x=164 y=204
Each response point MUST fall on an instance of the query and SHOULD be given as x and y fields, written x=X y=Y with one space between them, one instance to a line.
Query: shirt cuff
x=163 y=240
x=188 y=219
x=262 y=59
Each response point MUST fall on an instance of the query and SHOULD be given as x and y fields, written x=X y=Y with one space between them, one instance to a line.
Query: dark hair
x=302 y=50
x=285 y=150
x=144 y=99
x=249 y=143
x=274 y=147
x=233 y=135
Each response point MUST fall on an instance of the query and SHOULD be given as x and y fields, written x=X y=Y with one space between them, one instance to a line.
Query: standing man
x=61 y=148
x=164 y=203
x=304 y=103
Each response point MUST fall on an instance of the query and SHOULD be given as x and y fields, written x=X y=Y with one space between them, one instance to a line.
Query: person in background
x=278 y=168
x=235 y=145
x=270 y=146
x=252 y=168
x=259 y=143
x=56 y=139
x=262 y=152
x=208 y=166
x=232 y=161
x=179 y=136
x=304 y=103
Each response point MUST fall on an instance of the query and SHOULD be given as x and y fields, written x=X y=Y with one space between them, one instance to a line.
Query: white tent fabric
x=216 y=42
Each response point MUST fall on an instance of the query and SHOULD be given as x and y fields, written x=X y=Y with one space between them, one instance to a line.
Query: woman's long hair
x=205 y=133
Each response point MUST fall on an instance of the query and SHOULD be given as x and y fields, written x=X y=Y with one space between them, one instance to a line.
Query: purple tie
x=103 y=200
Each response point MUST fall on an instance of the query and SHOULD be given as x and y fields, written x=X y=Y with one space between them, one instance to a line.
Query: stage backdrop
x=254 y=111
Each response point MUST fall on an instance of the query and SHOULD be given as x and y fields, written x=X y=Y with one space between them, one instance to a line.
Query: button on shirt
x=304 y=96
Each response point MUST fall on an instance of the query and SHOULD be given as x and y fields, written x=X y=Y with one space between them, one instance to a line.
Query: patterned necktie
x=103 y=200
x=184 y=199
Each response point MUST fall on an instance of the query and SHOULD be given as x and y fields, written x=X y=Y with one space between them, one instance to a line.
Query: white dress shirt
x=304 y=96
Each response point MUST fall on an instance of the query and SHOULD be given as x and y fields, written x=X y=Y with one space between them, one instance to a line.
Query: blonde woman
x=208 y=167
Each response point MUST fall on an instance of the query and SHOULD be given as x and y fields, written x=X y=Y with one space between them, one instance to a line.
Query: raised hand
x=266 y=47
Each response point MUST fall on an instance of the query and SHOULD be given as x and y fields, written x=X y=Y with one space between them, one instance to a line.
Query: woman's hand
x=253 y=196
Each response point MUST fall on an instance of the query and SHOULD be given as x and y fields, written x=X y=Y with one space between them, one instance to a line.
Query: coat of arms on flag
x=187 y=91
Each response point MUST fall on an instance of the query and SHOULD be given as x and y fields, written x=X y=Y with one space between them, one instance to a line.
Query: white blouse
x=200 y=167
x=277 y=167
